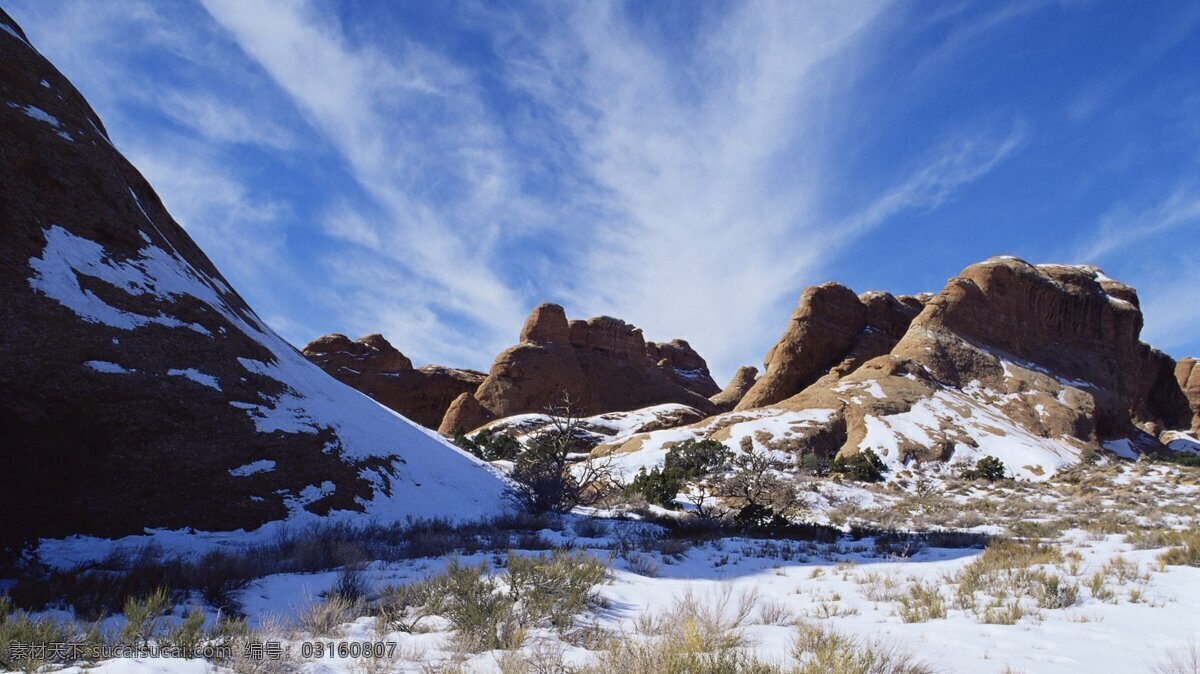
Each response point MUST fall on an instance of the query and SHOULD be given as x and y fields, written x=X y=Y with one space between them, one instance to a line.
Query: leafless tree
x=548 y=476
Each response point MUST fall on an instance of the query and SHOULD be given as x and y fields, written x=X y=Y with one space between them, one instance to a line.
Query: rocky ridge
x=372 y=365
x=1033 y=364
x=831 y=329
x=603 y=364
x=741 y=382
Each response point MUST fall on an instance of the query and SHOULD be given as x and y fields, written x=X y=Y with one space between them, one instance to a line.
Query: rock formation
x=602 y=363
x=1032 y=364
x=375 y=367
x=679 y=361
x=1187 y=374
x=736 y=389
x=139 y=389
x=831 y=328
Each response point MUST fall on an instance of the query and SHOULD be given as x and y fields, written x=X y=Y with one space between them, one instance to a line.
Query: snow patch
x=1178 y=441
x=107 y=367
x=260 y=466
x=196 y=376
x=154 y=272
x=1122 y=448
x=975 y=428
x=11 y=31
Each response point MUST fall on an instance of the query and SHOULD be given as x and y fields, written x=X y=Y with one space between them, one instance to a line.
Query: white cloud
x=711 y=165
x=222 y=121
x=1123 y=225
x=417 y=140
x=1172 y=309
x=682 y=184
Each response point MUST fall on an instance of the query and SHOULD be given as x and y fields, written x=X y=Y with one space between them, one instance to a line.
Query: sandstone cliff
x=603 y=363
x=1032 y=364
x=736 y=389
x=831 y=329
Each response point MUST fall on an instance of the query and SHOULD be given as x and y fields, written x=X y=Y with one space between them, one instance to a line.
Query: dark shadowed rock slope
x=139 y=390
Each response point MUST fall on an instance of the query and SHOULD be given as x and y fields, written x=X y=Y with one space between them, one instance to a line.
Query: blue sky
x=433 y=170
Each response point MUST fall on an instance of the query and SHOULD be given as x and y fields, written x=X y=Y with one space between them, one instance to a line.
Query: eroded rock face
x=736 y=389
x=1187 y=375
x=375 y=367
x=547 y=323
x=163 y=401
x=679 y=361
x=1068 y=320
x=1031 y=364
x=601 y=363
x=831 y=329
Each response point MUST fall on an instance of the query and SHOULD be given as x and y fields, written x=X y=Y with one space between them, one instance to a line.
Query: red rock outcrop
x=679 y=361
x=1034 y=365
x=831 y=329
x=375 y=367
x=602 y=364
x=736 y=389
x=1187 y=375
x=1071 y=321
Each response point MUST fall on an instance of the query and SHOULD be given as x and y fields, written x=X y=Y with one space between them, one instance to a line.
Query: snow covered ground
x=1115 y=606
x=846 y=587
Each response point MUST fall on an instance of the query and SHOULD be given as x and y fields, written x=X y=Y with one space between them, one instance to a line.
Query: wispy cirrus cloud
x=418 y=141
x=1155 y=242
x=711 y=161
x=1125 y=224
x=685 y=170
x=1172 y=309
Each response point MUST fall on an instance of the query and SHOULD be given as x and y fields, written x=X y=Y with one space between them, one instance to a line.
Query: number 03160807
x=348 y=649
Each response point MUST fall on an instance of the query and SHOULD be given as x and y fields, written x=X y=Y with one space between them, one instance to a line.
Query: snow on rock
x=1179 y=441
x=612 y=427
x=105 y=366
x=66 y=256
x=43 y=116
x=196 y=376
x=260 y=466
x=977 y=430
x=764 y=428
x=311 y=400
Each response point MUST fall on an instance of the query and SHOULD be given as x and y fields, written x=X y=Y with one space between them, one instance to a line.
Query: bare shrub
x=642 y=564
x=350 y=584
x=1184 y=659
x=820 y=650
x=1185 y=549
x=772 y=612
x=323 y=618
x=545 y=476
x=402 y=607
x=553 y=591
x=921 y=603
x=697 y=634
x=591 y=528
